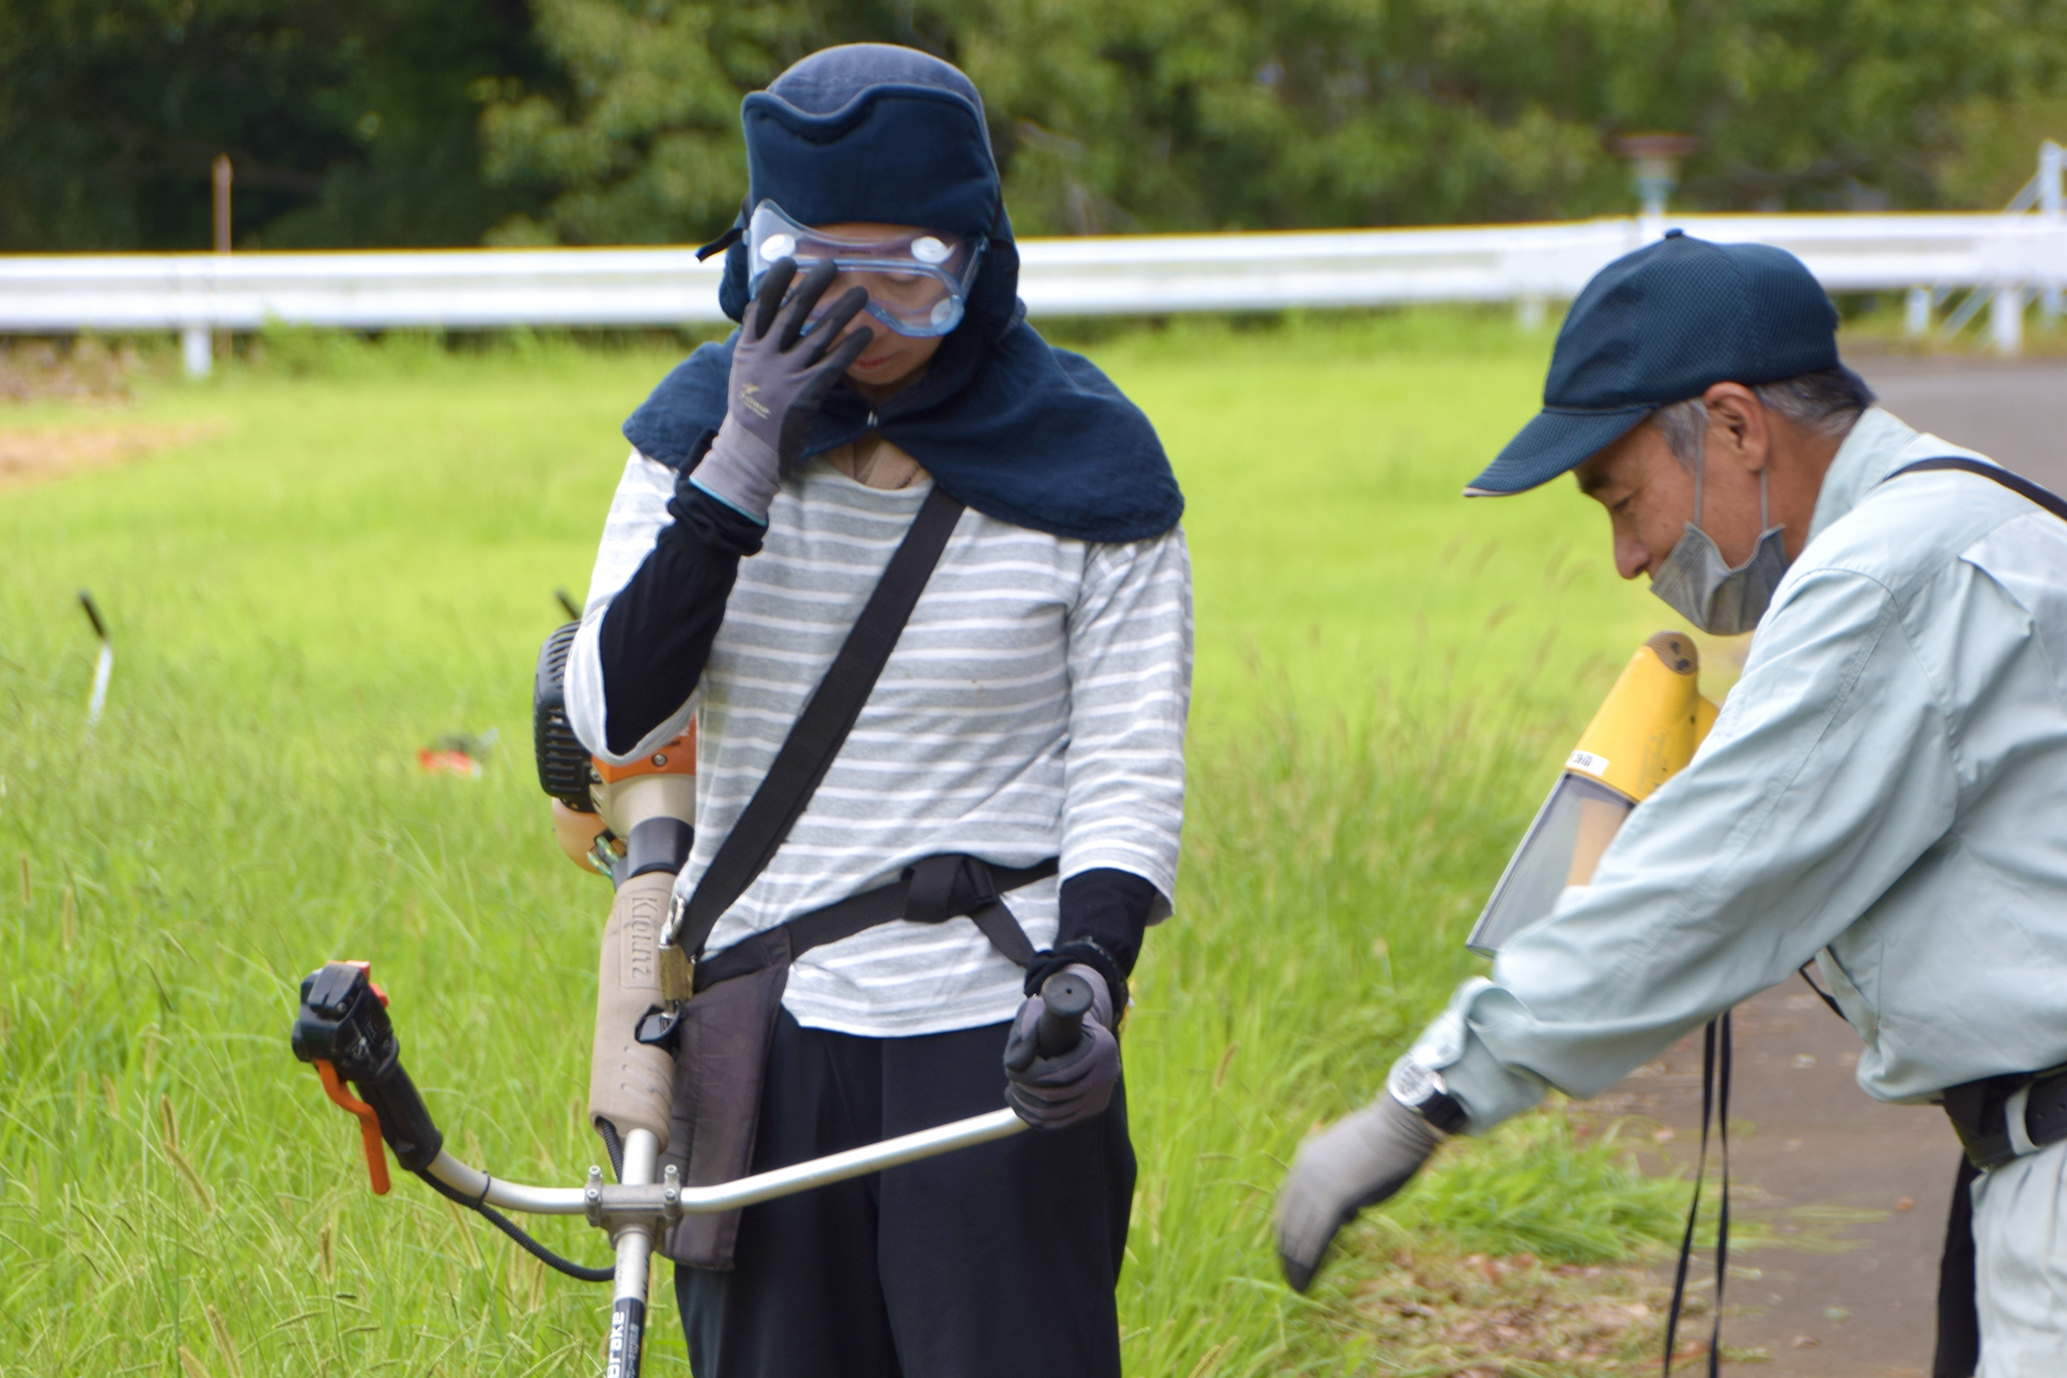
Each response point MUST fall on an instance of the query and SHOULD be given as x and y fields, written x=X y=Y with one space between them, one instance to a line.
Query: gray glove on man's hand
x=1358 y=1161
x=1057 y=1092
x=631 y=1086
x=779 y=376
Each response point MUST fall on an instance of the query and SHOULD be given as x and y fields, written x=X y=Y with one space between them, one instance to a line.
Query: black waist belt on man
x=1983 y=1114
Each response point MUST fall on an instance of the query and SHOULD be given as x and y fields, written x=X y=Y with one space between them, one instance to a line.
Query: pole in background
x=1654 y=161
x=221 y=174
x=104 y=667
x=196 y=350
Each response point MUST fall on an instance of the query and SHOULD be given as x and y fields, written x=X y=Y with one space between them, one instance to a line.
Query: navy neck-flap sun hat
x=1006 y=423
x=1659 y=326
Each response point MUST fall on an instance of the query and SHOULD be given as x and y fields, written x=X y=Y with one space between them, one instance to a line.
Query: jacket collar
x=1878 y=445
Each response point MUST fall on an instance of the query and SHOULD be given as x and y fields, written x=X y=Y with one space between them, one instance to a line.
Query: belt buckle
x=677 y=968
x=1985 y=1151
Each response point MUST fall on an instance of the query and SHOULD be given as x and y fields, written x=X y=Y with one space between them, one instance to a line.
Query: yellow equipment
x=1646 y=730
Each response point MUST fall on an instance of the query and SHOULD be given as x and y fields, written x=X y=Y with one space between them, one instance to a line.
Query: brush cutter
x=344 y=1030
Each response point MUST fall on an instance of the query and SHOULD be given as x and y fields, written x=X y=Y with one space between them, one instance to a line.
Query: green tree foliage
x=643 y=144
x=1225 y=114
x=348 y=121
x=616 y=121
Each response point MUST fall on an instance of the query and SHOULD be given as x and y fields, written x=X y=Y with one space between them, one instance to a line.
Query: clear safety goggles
x=917 y=281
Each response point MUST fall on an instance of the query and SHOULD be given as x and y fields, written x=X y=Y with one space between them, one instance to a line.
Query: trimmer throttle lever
x=1066 y=998
x=343 y=1028
x=369 y=1124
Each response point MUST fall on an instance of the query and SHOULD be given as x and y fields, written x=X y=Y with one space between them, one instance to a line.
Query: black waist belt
x=1979 y=1111
x=934 y=890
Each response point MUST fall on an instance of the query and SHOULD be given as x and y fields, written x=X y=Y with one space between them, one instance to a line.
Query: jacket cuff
x=1489 y=1090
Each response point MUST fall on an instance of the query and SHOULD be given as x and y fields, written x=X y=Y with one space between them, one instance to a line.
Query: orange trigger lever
x=369 y=1124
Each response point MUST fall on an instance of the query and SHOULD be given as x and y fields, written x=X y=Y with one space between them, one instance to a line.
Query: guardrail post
x=2052 y=172
x=196 y=351
x=1530 y=311
x=1916 y=312
x=2006 y=318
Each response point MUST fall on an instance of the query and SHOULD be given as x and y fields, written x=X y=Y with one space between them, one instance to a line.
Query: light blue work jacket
x=1885 y=790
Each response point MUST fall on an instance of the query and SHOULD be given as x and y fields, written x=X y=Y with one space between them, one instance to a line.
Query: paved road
x=2016 y=414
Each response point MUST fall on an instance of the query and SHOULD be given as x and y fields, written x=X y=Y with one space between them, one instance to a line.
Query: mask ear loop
x=1763 y=527
x=1700 y=463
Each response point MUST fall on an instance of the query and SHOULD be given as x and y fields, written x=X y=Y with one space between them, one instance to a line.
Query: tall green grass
x=363 y=560
x=1332 y=873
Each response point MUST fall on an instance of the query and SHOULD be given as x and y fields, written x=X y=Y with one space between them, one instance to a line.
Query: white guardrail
x=2010 y=256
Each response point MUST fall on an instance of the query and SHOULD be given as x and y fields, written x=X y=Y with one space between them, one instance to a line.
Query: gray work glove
x=631 y=1085
x=779 y=376
x=1057 y=1092
x=1358 y=1161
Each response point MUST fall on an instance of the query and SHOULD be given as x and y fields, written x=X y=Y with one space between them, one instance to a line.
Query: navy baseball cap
x=1659 y=326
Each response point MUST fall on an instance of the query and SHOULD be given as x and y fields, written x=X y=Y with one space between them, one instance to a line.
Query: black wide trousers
x=998 y=1260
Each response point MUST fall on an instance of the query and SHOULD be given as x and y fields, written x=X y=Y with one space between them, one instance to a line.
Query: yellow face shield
x=1646 y=730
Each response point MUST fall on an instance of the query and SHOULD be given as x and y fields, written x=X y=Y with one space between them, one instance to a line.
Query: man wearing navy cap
x=1885 y=791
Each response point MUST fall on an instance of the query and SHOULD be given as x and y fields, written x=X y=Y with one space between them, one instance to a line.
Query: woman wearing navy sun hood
x=1013 y=780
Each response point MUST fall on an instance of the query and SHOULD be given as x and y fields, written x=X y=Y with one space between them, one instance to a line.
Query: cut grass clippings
x=362 y=560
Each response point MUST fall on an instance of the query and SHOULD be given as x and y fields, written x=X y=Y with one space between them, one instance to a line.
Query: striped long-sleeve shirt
x=1033 y=707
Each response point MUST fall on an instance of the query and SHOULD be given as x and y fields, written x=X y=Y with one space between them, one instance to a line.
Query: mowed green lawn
x=358 y=561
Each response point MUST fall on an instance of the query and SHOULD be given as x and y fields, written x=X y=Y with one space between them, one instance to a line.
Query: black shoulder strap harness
x=1959 y=1334
x=935 y=889
x=2016 y=483
x=1959 y=1324
x=2023 y=488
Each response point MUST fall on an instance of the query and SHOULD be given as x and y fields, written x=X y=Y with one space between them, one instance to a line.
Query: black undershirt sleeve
x=1104 y=914
x=657 y=632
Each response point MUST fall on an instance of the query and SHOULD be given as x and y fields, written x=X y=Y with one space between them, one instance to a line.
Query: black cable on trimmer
x=516 y=1232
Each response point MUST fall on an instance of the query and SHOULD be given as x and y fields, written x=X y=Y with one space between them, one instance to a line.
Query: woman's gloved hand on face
x=1057 y=1092
x=779 y=376
x=1358 y=1161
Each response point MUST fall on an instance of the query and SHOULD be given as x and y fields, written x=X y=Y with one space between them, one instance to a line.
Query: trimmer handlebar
x=343 y=1024
x=1066 y=999
x=344 y=1030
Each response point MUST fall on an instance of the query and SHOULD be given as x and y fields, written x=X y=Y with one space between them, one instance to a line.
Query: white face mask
x=1698 y=584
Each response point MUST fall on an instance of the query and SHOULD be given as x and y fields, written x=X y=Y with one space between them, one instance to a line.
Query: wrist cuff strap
x=1090 y=954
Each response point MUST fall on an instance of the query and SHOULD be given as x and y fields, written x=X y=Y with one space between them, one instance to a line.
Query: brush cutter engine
x=620 y=820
